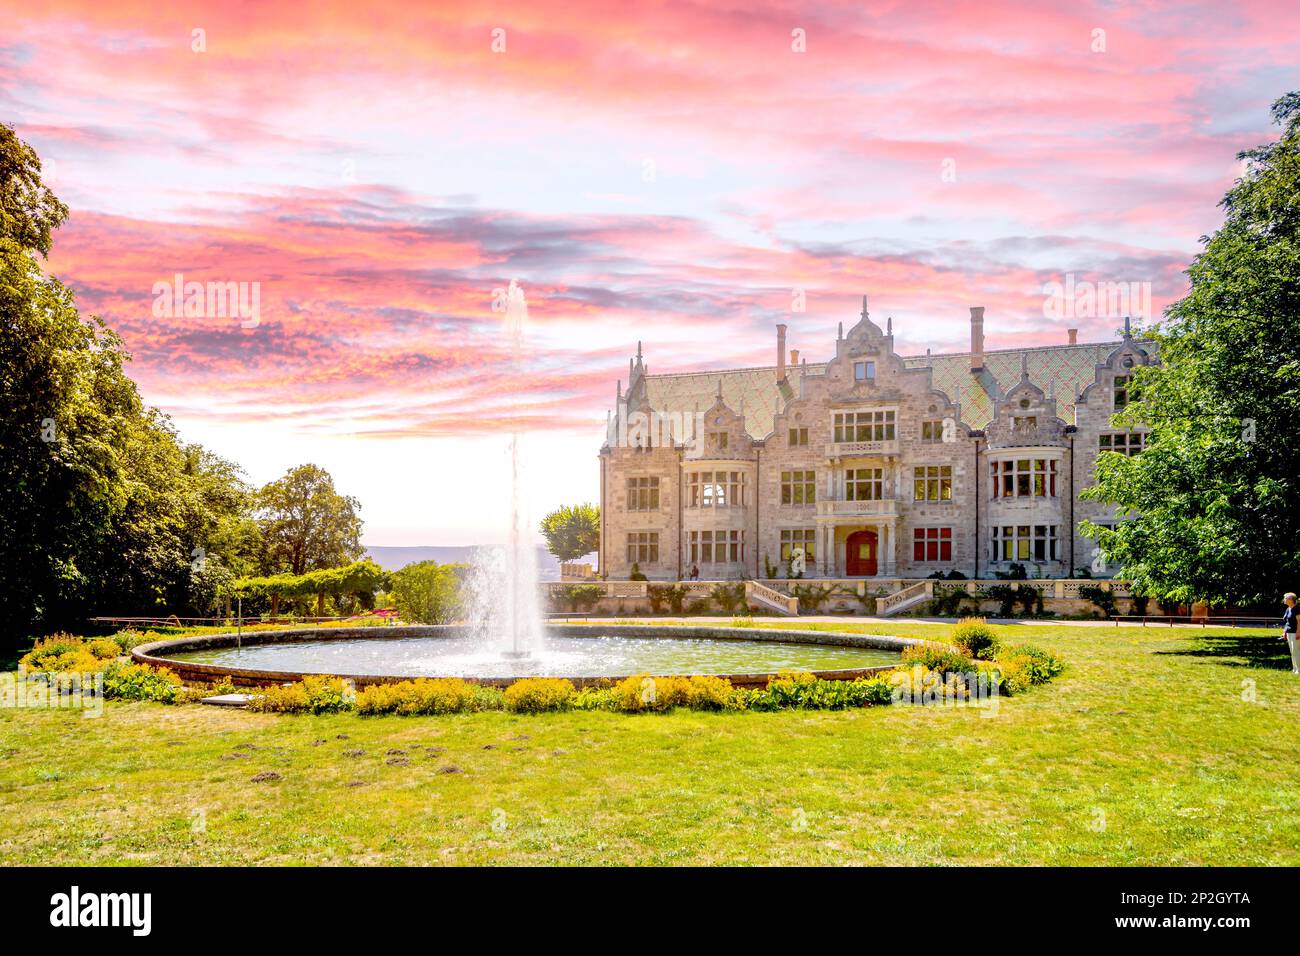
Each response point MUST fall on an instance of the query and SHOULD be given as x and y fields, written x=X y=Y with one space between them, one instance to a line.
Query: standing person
x=695 y=572
x=1290 y=617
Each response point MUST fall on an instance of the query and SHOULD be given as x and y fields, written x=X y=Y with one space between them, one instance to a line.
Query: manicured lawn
x=1143 y=752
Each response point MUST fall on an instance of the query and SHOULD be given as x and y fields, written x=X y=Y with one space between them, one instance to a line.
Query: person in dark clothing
x=695 y=572
x=1290 y=617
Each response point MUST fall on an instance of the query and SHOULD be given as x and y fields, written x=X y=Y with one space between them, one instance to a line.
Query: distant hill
x=390 y=559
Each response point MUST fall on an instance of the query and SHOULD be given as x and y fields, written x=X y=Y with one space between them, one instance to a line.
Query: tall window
x=805 y=538
x=864 y=371
x=643 y=494
x=1024 y=424
x=798 y=487
x=864 y=484
x=643 y=547
x=932 y=544
x=718 y=440
x=932 y=483
x=932 y=431
x=717 y=547
x=1024 y=542
x=1024 y=478
x=715 y=489
x=864 y=426
x=1126 y=443
x=798 y=437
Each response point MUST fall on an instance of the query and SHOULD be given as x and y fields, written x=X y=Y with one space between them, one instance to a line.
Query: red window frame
x=931 y=545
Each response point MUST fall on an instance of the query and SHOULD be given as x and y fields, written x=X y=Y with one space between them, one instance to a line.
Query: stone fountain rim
x=154 y=653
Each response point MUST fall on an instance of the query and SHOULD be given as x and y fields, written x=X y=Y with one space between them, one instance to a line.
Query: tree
x=29 y=212
x=1215 y=494
x=572 y=531
x=306 y=524
x=427 y=592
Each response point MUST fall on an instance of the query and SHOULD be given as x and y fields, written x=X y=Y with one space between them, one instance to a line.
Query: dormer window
x=1123 y=391
x=864 y=371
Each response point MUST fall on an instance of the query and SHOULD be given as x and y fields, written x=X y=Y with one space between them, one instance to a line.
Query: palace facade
x=868 y=465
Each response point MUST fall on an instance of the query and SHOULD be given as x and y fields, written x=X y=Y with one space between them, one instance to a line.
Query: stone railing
x=881 y=507
x=850 y=449
x=770 y=598
x=886 y=604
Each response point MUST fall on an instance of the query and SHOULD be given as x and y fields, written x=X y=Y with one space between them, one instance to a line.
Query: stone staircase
x=904 y=598
x=770 y=599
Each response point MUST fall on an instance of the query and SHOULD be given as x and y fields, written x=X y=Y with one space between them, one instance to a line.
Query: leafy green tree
x=29 y=212
x=572 y=531
x=1216 y=493
x=427 y=592
x=306 y=524
x=102 y=509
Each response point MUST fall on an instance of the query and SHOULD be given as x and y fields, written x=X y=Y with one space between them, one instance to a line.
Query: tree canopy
x=427 y=592
x=306 y=524
x=1215 y=496
x=572 y=531
x=103 y=509
x=29 y=212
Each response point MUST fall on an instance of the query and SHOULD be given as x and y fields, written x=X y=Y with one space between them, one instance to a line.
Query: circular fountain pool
x=583 y=653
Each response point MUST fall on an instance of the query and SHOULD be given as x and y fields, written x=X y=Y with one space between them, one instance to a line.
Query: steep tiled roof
x=751 y=389
x=1062 y=370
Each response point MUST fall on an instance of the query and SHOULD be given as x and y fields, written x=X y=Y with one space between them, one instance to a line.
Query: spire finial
x=864 y=305
x=1128 y=327
x=839 y=336
x=1024 y=365
x=889 y=325
x=719 y=389
x=638 y=350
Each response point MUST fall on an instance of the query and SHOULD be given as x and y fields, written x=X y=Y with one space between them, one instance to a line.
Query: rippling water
x=562 y=657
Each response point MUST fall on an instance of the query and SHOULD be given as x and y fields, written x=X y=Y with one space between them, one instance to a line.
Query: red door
x=860 y=556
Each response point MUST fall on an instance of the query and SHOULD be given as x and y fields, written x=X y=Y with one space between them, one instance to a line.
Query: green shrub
x=712 y=693
x=643 y=693
x=943 y=658
x=427 y=696
x=976 y=638
x=593 y=698
x=804 y=691
x=129 y=639
x=1102 y=597
x=63 y=653
x=535 y=695
x=728 y=597
x=193 y=693
x=104 y=648
x=1041 y=666
x=123 y=681
x=279 y=699
x=582 y=597
x=918 y=684
x=327 y=695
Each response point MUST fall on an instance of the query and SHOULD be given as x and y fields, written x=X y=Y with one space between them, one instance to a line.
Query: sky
x=683 y=174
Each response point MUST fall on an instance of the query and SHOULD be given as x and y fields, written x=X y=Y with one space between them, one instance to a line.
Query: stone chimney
x=1074 y=336
x=780 y=351
x=794 y=356
x=976 y=338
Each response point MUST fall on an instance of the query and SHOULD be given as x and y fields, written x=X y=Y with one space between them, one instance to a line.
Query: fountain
x=502 y=610
x=502 y=638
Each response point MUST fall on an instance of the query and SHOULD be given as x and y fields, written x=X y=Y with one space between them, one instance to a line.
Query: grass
x=1150 y=749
